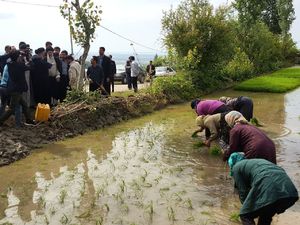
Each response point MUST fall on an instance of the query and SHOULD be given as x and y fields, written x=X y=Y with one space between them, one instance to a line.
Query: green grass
x=278 y=82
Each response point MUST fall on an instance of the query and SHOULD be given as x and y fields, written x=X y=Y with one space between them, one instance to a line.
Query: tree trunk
x=86 y=49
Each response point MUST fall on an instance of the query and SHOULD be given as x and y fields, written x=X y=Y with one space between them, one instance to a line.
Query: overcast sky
x=139 y=20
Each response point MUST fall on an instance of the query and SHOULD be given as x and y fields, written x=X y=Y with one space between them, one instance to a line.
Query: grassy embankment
x=277 y=82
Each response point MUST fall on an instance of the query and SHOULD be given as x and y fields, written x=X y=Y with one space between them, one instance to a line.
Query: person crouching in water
x=216 y=125
x=264 y=189
x=208 y=107
x=242 y=104
x=249 y=139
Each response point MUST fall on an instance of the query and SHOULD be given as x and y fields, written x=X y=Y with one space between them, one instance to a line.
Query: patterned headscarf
x=234 y=117
x=235 y=158
x=224 y=99
x=200 y=120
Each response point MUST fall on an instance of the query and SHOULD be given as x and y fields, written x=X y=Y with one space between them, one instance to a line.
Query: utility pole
x=71 y=40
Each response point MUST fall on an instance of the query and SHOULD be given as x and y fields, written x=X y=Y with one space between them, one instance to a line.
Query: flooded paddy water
x=144 y=171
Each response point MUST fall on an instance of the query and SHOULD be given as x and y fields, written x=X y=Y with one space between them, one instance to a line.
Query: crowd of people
x=45 y=77
x=264 y=188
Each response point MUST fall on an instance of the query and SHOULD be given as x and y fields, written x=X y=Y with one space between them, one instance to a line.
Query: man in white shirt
x=74 y=72
x=134 y=73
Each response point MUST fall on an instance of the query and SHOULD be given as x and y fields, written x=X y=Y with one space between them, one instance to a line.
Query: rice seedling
x=106 y=207
x=123 y=167
x=84 y=215
x=46 y=220
x=148 y=209
x=171 y=214
x=99 y=221
x=71 y=176
x=215 y=151
x=188 y=203
x=235 y=217
x=124 y=208
x=190 y=219
x=64 y=219
x=118 y=197
x=205 y=213
x=142 y=178
x=199 y=144
x=41 y=202
x=164 y=189
x=158 y=179
x=112 y=165
x=122 y=186
x=177 y=197
x=52 y=211
x=3 y=195
x=62 y=196
x=254 y=121
x=93 y=203
x=177 y=169
x=99 y=192
x=147 y=185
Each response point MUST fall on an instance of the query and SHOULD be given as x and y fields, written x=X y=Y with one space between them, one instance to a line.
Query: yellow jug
x=42 y=112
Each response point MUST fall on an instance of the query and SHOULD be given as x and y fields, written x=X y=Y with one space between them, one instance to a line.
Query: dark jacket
x=261 y=183
x=152 y=69
x=3 y=61
x=96 y=74
x=58 y=64
x=17 y=81
x=39 y=72
x=113 y=67
x=252 y=141
x=106 y=66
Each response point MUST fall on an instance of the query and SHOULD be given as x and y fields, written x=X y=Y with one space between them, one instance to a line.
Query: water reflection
x=140 y=172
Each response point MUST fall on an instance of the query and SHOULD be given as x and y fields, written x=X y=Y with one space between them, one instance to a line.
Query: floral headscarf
x=234 y=117
x=235 y=158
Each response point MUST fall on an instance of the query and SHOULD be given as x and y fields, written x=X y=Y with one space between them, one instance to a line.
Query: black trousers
x=16 y=99
x=266 y=213
x=134 y=83
x=245 y=107
x=106 y=85
x=128 y=78
x=94 y=87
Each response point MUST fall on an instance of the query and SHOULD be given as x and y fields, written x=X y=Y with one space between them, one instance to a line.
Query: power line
x=131 y=41
x=28 y=3
x=105 y=28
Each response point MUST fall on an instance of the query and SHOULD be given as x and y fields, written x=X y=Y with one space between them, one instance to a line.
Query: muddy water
x=145 y=171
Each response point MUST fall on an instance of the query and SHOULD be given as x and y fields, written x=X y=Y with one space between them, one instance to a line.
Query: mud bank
x=70 y=120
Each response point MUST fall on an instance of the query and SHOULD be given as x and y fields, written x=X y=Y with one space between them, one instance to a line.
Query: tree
x=278 y=15
x=83 y=18
x=201 y=37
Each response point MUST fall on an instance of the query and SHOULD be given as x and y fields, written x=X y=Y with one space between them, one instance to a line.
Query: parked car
x=121 y=75
x=164 y=71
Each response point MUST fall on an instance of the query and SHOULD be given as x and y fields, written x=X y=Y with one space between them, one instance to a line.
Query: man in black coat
x=113 y=72
x=16 y=85
x=105 y=62
x=4 y=58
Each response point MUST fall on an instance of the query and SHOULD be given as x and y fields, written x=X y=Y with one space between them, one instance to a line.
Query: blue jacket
x=5 y=77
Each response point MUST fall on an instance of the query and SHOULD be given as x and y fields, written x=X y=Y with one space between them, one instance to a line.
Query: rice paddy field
x=278 y=82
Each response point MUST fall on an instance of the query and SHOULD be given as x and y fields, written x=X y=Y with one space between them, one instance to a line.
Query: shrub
x=176 y=88
x=240 y=67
